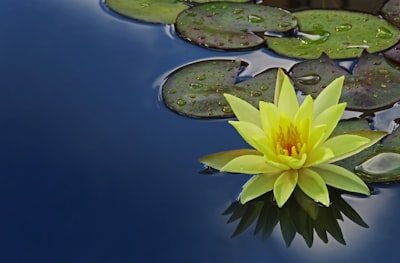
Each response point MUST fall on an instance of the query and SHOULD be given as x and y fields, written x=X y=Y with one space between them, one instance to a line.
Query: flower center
x=289 y=141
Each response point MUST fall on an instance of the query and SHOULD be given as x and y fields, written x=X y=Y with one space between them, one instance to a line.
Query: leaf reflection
x=299 y=215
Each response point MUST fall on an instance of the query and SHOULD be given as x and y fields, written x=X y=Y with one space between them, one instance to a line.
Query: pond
x=95 y=168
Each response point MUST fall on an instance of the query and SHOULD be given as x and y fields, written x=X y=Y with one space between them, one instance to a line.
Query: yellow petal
x=292 y=162
x=284 y=186
x=278 y=85
x=248 y=164
x=257 y=186
x=288 y=102
x=269 y=115
x=265 y=145
x=319 y=155
x=315 y=138
x=345 y=145
x=243 y=110
x=248 y=131
x=306 y=110
x=341 y=178
x=313 y=185
x=219 y=159
x=329 y=96
x=372 y=136
x=330 y=117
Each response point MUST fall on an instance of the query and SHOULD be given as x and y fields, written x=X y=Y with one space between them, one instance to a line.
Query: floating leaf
x=382 y=167
x=339 y=34
x=231 y=25
x=372 y=86
x=391 y=11
x=153 y=11
x=197 y=89
x=393 y=53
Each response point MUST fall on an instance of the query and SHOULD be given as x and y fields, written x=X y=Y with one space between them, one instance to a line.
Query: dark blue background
x=94 y=168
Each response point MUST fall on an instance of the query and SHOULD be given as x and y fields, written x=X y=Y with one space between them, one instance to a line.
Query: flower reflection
x=299 y=215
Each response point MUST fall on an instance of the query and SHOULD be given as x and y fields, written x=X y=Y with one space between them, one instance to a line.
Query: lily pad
x=339 y=34
x=391 y=11
x=197 y=89
x=372 y=86
x=393 y=53
x=161 y=11
x=231 y=25
x=383 y=167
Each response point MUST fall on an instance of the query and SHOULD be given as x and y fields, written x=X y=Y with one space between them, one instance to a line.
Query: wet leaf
x=391 y=11
x=393 y=53
x=153 y=11
x=372 y=86
x=339 y=34
x=231 y=25
x=197 y=89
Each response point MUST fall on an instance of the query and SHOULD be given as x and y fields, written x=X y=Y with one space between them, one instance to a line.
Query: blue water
x=94 y=168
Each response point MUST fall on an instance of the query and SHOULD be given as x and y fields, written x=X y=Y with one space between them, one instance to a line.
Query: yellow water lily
x=293 y=145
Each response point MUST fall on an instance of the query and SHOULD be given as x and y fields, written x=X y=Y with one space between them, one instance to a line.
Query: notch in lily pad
x=232 y=25
x=339 y=34
x=196 y=90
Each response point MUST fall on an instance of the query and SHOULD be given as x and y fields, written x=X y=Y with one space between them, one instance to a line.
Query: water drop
x=383 y=71
x=145 y=4
x=255 y=93
x=343 y=27
x=310 y=79
x=314 y=37
x=222 y=103
x=227 y=109
x=255 y=19
x=237 y=11
x=384 y=33
x=181 y=102
x=196 y=86
x=172 y=91
x=264 y=87
x=201 y=77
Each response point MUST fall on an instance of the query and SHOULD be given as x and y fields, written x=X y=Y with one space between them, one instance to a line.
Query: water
x=94 y=168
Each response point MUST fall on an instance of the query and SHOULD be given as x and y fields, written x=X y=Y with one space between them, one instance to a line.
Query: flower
x=293 y=145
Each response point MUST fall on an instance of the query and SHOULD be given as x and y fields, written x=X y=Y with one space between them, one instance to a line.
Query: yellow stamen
x=289 y=141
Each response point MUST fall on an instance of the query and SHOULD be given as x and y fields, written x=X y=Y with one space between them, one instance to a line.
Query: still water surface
x=94 y=168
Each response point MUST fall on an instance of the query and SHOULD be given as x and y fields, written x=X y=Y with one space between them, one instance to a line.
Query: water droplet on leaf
x=343 y=27
x=255 y=19
x=310 y=79
x=384 y=33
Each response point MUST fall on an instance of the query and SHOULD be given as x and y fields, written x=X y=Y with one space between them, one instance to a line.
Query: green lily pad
x=372 y=86
x=391 y=11
x=231 y=25
x=152 y=11
x=197 y=89
x=339 y=34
